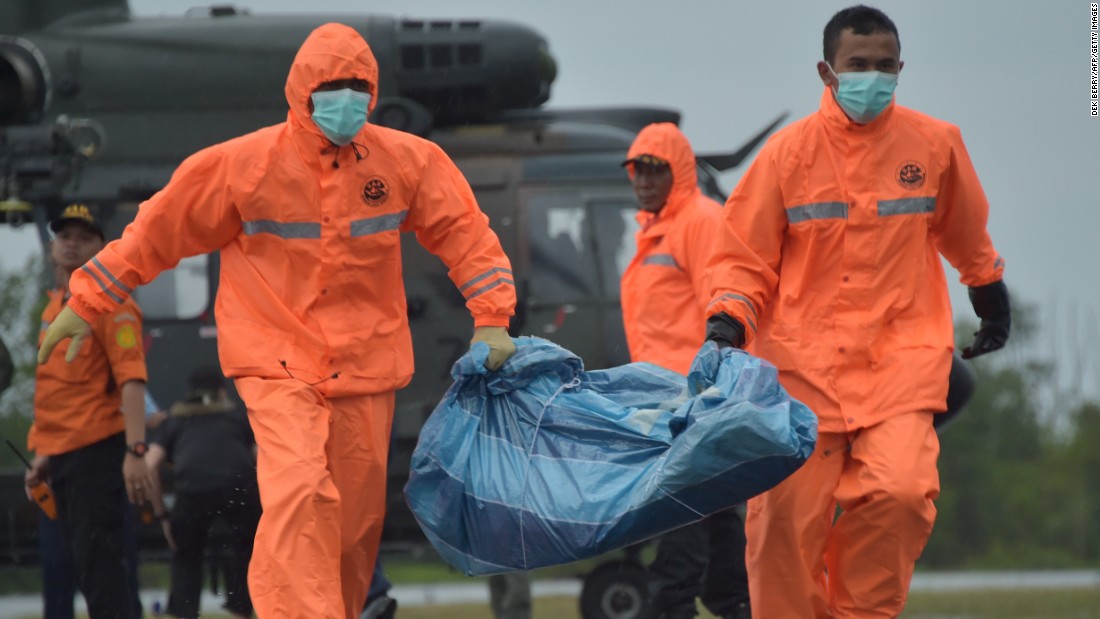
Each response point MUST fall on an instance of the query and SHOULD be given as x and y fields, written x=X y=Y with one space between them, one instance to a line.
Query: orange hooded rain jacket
x=309 y=238
x=831 y=260
x=664 y=289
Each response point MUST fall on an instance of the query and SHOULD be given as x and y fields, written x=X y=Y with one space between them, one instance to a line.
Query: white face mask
x=340 y=114
x=863 y=95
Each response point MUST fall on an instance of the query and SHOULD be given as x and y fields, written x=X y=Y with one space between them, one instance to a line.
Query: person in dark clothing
x=379 y=603
x=664 y=297
x=701 y=561
x=510 y=595
x=58 y=577
x=209 y=442
x=88 y=435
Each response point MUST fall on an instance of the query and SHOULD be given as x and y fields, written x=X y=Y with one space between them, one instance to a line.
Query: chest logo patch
x=910 y=174
x=376 y=191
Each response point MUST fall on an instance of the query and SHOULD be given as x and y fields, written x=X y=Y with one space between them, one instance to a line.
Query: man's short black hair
x=206 y=378
x=862 y=20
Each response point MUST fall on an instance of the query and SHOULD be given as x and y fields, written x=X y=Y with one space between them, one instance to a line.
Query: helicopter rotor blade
x=728 y=161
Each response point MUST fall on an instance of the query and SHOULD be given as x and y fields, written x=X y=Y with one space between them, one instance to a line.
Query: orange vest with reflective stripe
x=309 y=238
x=830 y=257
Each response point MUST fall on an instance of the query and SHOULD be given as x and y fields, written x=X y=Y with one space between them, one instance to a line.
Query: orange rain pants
x=803 y=563
x=321 y=468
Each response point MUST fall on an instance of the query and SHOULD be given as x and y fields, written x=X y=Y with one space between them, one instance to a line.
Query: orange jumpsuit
x=664 y=289
x=830 y=258
x=311 y=311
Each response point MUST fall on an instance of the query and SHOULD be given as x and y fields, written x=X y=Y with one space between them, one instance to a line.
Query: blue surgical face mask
x=863 y=95
x=340 y=114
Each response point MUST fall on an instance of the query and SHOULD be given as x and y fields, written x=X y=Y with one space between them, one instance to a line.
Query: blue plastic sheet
x=543 y=463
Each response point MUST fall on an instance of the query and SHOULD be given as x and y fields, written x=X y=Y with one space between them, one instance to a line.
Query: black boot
x=743 y=611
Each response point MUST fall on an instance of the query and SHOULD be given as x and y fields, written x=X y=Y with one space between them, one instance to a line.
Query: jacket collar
x=835 y=117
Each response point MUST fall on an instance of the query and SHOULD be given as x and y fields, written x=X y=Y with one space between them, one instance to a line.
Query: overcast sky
x=1014 y=75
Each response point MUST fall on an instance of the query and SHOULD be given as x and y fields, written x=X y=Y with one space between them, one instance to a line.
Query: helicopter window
x=412 y=57
x=561 y=248
x=182 y=293
x=615 y=229
x=440 y=55
x=469 y=54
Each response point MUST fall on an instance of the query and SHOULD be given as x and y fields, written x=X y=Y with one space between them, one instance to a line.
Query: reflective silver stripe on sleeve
x=110 y=276
x=818 y=210
x=666 y=260
x=743 y=299
x=483 y=276
x=489 y=286
x=752 y=325
x=738 y=297
x=102 y=285
x=906 y=206
x=374 y=225
x=283 y=229
x=998 y=263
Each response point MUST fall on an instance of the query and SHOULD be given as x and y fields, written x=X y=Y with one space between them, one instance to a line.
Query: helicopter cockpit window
x=561 y=248
x=615 y=229
x=182 y=293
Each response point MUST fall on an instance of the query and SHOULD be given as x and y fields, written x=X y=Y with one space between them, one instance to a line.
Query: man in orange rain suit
x=86 y=413
x=664 y=297
x=829 y=265
x=311 y=307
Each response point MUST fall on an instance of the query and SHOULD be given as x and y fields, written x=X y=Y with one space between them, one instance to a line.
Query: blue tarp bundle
x=543 y=463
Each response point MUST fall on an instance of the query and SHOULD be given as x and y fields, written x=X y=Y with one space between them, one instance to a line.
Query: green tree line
x=21 y=301
x=1020 y=485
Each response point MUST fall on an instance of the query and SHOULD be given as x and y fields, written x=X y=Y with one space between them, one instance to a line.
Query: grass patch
x=1078 y=603
x=18 y=580
x=1006 y=604
x=1037 y=604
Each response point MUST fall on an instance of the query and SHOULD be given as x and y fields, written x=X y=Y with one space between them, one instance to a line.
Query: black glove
x=725 y=331
x=991 y=305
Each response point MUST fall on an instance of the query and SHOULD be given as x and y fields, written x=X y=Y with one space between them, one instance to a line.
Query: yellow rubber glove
x=66 y=325
x=500 y=344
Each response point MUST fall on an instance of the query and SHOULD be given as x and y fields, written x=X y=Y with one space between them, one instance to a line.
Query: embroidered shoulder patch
x=125 y=337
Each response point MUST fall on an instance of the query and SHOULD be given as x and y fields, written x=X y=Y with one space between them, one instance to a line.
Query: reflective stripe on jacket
x=309 y=238
x=664 y=291
x=830 y=257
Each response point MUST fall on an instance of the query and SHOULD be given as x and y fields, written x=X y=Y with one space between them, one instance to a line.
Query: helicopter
x=99 y=107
